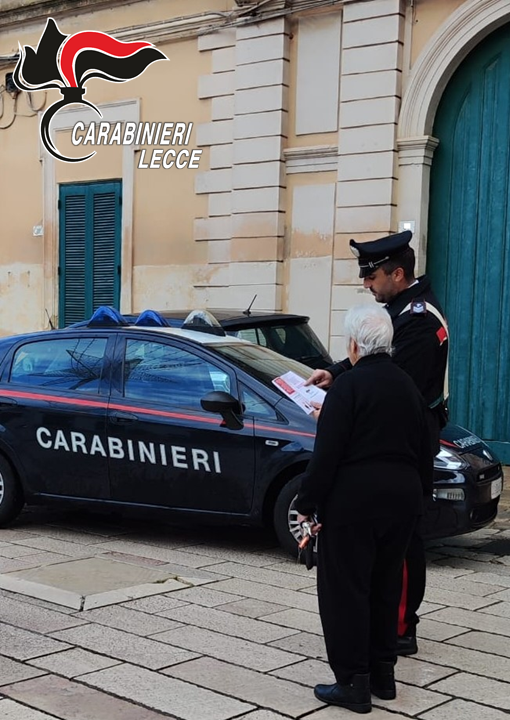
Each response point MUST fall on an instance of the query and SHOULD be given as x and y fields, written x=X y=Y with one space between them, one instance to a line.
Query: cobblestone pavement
x=238 y=634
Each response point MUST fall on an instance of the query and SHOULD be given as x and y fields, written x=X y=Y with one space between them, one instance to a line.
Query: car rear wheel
x=11 y=494
x=285 y=515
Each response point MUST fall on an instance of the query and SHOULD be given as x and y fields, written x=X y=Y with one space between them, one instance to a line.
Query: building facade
x=318 y=121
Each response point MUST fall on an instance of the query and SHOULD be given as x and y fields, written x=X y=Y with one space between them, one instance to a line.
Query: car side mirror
x=226 y=405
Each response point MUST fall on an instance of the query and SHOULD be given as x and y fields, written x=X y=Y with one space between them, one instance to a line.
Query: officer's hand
x=322 y=378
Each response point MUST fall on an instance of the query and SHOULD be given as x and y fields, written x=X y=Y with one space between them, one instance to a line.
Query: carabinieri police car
x=184 y=421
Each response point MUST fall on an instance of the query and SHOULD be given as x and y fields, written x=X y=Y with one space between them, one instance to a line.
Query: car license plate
x=496 y=488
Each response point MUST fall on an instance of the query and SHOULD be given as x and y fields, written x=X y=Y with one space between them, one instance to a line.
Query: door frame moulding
x=471 y=23
x=118 y=111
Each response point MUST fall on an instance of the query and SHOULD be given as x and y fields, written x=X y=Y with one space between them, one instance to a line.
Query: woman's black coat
x=372 y=454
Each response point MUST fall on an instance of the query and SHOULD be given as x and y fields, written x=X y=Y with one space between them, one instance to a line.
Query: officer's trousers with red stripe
x=413 y=585
x=415 y=566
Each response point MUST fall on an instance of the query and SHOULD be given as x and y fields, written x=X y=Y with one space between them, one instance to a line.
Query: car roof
x=234 y=317
x=197 y=336
x=201 y=337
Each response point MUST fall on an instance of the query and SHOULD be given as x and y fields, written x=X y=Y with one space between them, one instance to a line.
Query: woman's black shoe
x=407 y=645
x=355 y=696
x=382 y=680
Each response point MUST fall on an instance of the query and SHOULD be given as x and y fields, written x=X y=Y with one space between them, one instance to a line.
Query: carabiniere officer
x=421 y=349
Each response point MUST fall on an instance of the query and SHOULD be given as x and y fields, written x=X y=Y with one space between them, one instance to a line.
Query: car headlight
x=448 y=460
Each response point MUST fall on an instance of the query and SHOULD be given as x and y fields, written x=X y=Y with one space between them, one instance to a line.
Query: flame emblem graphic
x=66 y=62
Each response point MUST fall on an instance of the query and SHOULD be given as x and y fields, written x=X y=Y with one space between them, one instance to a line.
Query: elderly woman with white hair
x=370 y=468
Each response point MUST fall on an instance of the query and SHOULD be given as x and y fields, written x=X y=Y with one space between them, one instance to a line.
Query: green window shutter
x=105 y=278
x=90 y=247
x=73 y=252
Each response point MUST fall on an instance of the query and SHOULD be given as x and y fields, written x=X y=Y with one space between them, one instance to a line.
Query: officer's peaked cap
x=376 y=252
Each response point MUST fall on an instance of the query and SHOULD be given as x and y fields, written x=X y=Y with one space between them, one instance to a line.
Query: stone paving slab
x=259 y=591
x=306 y=644
x=254 y=687
x=22 y=644
x=262 y=715
x=299 y=619
x=458 y=599
x=474 y=620
x=460 y=585
x=16 y=551
x=206 y=596
x=307 y=672
x=472 y=661
x=133 y=621
x=471 y=687
x=159 y=692
x=485 y=642
x=73 y=701
x=38 y=619
x=251 y=608
x=124 y=646
x=335 y=713
x=241 y=627
x=155 y=552
x=501 y=609
x=225 y=554
x=412 y=700
x=90 y=576
x=464 y=710
x=154 y=604
x=412 y=671
x=10 y=710
x=433 y=630
x=12 y=671
x=231 y=649
x=72 y=663
x=267 y=577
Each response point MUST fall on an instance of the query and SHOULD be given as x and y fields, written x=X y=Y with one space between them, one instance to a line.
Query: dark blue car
x=186 y=422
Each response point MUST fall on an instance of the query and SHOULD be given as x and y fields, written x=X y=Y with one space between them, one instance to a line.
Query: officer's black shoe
x=355 y=696
x=382 y=680
x=407 y=645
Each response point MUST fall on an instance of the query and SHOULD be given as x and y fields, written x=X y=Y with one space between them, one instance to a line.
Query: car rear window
x=294 y=340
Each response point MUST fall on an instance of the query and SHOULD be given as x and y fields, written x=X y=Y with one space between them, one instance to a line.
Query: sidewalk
x=227 y=626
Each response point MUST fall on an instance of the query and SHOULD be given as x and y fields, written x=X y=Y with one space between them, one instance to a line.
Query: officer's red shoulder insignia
x=442 y=335
x=418 y=307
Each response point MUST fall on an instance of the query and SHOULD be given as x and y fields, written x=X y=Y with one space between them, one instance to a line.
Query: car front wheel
x=11 y=495
x=285 y=515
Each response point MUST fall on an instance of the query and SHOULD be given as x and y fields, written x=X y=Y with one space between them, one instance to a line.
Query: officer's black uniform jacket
x=419 y=349
x=372 y=451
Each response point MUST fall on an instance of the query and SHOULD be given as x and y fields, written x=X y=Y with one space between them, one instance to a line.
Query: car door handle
x=123 y=417
x=7 y=402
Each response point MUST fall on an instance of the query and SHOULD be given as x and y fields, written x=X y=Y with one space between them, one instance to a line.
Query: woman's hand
x=318 y=407
x=315 y=526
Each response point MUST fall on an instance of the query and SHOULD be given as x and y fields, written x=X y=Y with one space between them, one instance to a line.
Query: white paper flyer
x=293 y=386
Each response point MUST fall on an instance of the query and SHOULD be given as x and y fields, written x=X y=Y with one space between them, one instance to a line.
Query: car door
x=53 y=401
x=169 y=451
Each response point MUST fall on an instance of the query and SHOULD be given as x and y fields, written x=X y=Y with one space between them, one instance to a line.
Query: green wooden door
x=90 y=242
x=469 y=237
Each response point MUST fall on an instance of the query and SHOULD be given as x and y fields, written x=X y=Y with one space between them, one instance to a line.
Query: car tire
x=11 y=494
x=285 y=522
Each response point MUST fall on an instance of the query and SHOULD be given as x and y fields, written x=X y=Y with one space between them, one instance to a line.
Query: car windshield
x=263 y=364
x=297 y=341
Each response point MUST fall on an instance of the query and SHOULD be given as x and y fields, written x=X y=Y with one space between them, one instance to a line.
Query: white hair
x=371 y=328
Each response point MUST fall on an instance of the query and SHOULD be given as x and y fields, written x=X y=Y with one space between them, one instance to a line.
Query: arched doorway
x=469 y=237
